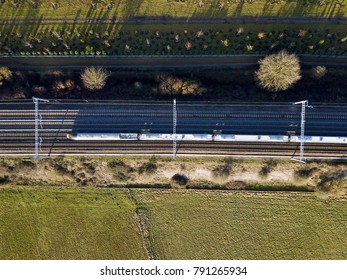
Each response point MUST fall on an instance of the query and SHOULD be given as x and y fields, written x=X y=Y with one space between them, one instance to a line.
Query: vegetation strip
x=142 y=222
x=324 y=177
x=175 y=39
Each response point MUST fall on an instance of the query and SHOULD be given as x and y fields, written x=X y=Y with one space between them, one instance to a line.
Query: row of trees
x=93 y=78
x=277 y=72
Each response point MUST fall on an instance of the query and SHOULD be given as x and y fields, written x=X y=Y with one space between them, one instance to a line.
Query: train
x=202 y=137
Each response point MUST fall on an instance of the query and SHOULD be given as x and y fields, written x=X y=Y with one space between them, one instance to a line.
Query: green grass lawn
x=234 y=225
x=67 y=224
x=188 y=8
x=52 y=223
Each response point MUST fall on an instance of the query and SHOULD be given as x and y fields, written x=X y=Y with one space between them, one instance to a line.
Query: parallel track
x=17 y=134
x=165 y=147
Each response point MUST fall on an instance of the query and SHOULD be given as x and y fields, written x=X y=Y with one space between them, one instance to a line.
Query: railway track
x=55 y=142
x=63 y=146
x=58 y=119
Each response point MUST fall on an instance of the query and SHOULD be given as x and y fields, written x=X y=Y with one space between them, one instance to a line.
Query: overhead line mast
x=174 y=122
x=38 y=118
x=304 y=104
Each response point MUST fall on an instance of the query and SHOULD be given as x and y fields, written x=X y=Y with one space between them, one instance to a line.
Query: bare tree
x=94 y=78
x=5 y=75
x=278 y=71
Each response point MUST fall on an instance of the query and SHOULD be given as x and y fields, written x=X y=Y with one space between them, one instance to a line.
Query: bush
x=172 y=85
x=121 y=171
x=4 y=179
x=265 y=170
x=225 y=169
x=305 y=172
x=278 y=71
x=267 y=167
x=180 y=179
x=319 y=72
x=94 y=78
x=149 y=167
x=332 y=181
x=5 y=75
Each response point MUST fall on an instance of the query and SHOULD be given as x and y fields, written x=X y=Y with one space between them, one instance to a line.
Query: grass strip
x=172 y=8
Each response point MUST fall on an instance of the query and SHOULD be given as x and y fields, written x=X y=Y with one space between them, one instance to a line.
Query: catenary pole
x=38 y=139
x=174 y=122
x=304 y=104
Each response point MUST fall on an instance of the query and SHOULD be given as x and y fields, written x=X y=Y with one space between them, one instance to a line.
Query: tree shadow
x=238 y=10
x=268 y=9
x=132 y=8
x=310 y=8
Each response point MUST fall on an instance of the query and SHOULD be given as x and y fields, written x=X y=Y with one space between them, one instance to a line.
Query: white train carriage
x=102 y=136
x=179 y=137
x=250 y=138
x=203 y=137
x=321 y=139
x=337 y=140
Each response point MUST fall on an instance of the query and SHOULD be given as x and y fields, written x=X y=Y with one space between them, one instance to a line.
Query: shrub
x=265 y=170
x=305 y=172
x=225 y=169
x=4 y=179
x=94 y=78
x=222 y=170
x=121 y=171
x=318 y=72
x=40 y=90
x=149 y=167
x=267 y=167
x=5 y=75
x=173 y=85
x=58 y=86
x=278 y=71
x=330 y=182
x=180 y=179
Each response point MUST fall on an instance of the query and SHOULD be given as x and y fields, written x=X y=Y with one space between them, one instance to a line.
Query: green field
x=67 y=224
x=47 y=223
x=235 y=225
x=187 y=8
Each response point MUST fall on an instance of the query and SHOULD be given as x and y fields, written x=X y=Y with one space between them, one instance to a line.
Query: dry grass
x=201 y=172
